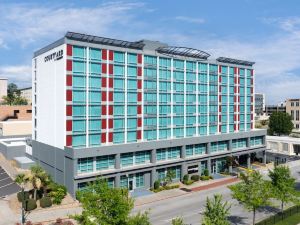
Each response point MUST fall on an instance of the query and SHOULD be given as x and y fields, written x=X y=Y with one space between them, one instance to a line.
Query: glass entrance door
x=130 y=185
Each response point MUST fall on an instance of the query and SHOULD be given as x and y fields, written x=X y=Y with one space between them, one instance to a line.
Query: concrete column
x=118 y=161
x=249 y=161
x=153 y=156
x=153 y=177
x=117 y=180
x=230 y=169
x=248 y=142
x=208 y=148
x=183 y=170
x=264 y=157
x=182 y=154
x=230 y=145
x=264 y=140
x=209 y=166
x=199 y=168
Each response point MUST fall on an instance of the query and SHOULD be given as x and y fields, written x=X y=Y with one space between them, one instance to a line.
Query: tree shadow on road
x=237 y=220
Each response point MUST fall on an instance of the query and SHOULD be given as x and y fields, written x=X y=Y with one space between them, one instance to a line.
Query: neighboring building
x=260 y=105
x=3 y=88
x=131 y=111
x=27 y=94
x=281 y=148
x=15 y=112
x=15 y=128
x=293 y=108
x=275 y=108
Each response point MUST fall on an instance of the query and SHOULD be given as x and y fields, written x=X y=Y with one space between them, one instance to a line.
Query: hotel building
x=131 y=111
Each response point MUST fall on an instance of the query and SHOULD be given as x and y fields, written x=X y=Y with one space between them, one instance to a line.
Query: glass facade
x=178 y=98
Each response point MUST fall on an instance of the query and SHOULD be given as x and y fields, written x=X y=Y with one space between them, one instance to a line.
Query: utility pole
x=22 y=210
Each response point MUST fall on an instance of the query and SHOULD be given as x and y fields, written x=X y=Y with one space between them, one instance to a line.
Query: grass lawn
x=292 y=220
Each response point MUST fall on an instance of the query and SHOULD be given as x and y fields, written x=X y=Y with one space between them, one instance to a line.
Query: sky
x=264 y=31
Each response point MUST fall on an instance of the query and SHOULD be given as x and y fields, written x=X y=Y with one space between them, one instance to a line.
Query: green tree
x=21 y=179
x=38 y=178
x=253 y=192
x=170 y=176
x=283 y=185
x=107 y=206
x=177 y=221
x=139 y=219
x=13 y=96
x=280 y=123
x=216 y=212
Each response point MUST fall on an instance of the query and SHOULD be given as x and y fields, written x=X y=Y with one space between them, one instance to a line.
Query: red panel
x=103 y=138
x=111 y=55
x=139 y=59
x=220 y=108
x=220 y=118
x=103 y=124
x=111 y=69
x=69 y=95
x=139 y=71
x=234 y=117
x=110 y=137
x=252 y=72
x=111 y=82
x=139 y=122
x=104 y=110
x=238 y=70
x=69 y=140
x=110 y=123
x=220 y=89
x=251 y=116
x=139 y=109
x=139 y=84
x=104 y=54
x=69 y=80
x=111 y=96
x=220 y=69
x=139 y=96
x=251 y=107
x=251 y=80
x=111 y=110
x=235 y=70
x=139 y=135
x=69 y=110
x=252 y=90
x=69 y=65
x=103 y=81
x=69 y=50
x=220 y=98
x=235 y=90
x=104 y=96
x=104 y=71
x=69 y=125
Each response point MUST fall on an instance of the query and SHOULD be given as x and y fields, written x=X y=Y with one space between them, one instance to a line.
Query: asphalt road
x=191 y=206
x=7 y=185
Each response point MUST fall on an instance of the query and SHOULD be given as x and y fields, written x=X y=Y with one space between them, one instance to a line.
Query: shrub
x=20 y=196
x=189 y=182
x=206 y=172
x=185 y=178
x=205 y=178
x=195 y=177
x=45 y=202
x=30 y=204
x=57 y=193
x=156 y=184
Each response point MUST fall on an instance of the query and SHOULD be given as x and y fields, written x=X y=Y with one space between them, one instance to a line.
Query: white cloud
x=27 y=23
x=190 y=19
x=20 y=74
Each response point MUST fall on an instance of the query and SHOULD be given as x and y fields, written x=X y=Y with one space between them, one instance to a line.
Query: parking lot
x=7 y=185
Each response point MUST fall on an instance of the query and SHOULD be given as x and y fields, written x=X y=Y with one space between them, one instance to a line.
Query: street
x=191 y=206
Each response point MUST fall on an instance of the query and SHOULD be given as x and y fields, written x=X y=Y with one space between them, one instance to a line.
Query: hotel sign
x=54 y=56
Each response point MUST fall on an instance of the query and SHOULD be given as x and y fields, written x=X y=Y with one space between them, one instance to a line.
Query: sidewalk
x=200 y=186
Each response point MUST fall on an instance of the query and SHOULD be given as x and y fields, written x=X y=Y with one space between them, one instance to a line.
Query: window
x=119 y=70
x=95 y=54
x=132 y=58
x=119 y=57
x=94 y=139
x=79 y=140
x=78 y=111
x=132 y=84
x=85 y=165
x=118 y=124
x=131 y=71
x=78 y=52
x=127 y=159
x=142 y=157
x=118 y=137
x=78 y=126
x=94 y=125
x=105 y=162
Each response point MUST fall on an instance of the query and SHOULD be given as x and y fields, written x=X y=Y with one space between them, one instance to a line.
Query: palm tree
x=38 y=178
x=21 y=179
